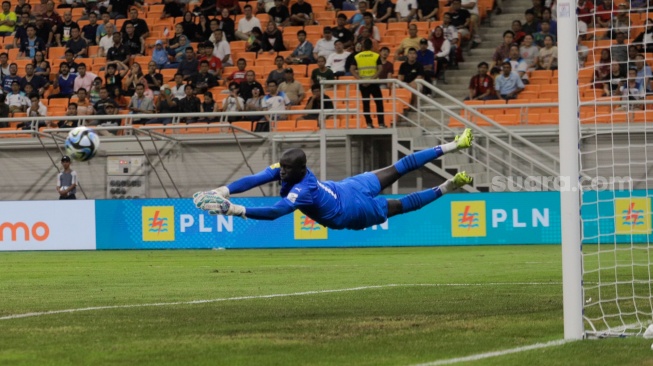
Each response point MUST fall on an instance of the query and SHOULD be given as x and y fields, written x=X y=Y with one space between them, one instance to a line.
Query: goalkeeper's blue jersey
x=348 y=204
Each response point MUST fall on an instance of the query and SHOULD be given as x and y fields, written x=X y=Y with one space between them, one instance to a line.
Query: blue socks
x=418 y=159
x=417 y=200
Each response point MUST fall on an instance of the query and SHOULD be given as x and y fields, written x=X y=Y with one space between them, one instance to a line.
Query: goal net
x=615 y=55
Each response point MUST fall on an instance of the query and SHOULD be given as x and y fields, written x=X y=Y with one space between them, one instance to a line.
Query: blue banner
x=454 y=219
x=617 y=217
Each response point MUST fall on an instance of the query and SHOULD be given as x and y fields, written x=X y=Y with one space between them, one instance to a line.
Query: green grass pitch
x=474 y=300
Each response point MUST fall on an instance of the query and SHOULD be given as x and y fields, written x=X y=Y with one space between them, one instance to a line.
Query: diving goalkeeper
x=348 y=204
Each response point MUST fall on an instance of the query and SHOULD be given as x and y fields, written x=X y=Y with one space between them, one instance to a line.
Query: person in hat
x=67 y=181
x=293 y=89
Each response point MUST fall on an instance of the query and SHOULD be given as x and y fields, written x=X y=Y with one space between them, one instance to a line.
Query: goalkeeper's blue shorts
x=362 y=208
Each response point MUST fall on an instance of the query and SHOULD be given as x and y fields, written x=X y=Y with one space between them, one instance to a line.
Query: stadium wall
x=455 y=219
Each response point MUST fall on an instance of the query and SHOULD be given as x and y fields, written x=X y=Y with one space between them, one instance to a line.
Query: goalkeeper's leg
x=417 y=200
x=391 y=174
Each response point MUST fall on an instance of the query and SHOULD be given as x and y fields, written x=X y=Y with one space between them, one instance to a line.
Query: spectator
x=274 y=101
x=517 y=30
x=32 y=44
x=518 y=64
x=173 y=8
x=38 y=83
x=174 y=43
x=264 y=6
x=160 y=55
x=341 y=33
x=503 y=50
x=36 y=108
x=405 y=10
x=255 y=103
x=410 y=70
x=529 y=52
x=239 y=74
x=119 y=51
x=167 y=104
x=584 y=10
x=89 y=31
x=189 y=65
x=119 y=98
x=630 y=90
x=84 y=105
x=110 y=110
x=94 y=93
x=8 y=79
x=231 y=6
x=539 y=36
x=246 y=24
x=451 y=34
x=64 y=29
x=368 y=23
x=621 y=22
x=228 y=25
x=118 y=8
x=41 y=65
x=134 y=44
x=644 y=41
x=8 y=20
x=69 y=59
x=189 y=104
x=326 y=45
x=387 y=67
x=481 y=85
x=368 y=67
x=203 y=80
x=603 y=13
x=317 y=102
x=442 y=50
x=67 y=181
x=221 y=49
x=141 y=30
x=538 y=8
x=101 y=28
x=279 y=14
x=336 y=60
x=460 y=18
x=233 y=103
x=272 y=39
x=508 y=84
x=301 y=13
x=277 y=74
x=215 y=65
x=351 y=59
x=153 y=78
x=208 y=105
x=16 y=99
x=77 y=44
x=357 y=19
x=427 y=10
x=644 y=73
x=614 y=82
x=178 y=90
x=303 y=54
x=133 y=77
x=106 y=42
x=255 y=41
x=115 y=73
x=619 y=52
x=43 y=30
x=105 y=100
x=4 y=110
x=71 y=111
x=249 y=84
x=180 y=51
x=472 y=7
x=21 y=31
x=321 y=72
x=140 y=104
x=412 y=41
x=426 y=57
x=204 y=28
x=384 y=10
x=553 y=25
x=293 y=90
x=548 y=55
x=64 y=82
x=531 y=25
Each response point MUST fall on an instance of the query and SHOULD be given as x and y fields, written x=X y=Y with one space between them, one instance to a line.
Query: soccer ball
x=82 y=144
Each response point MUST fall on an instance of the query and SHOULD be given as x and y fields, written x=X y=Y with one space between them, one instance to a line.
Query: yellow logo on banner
x=468 y=218
x=158 y=223
x=632 y=215
x=307 y=229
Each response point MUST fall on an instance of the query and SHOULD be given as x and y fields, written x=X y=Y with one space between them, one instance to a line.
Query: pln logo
x=633 y=215
x=158 y=223
x=468 y=219
x=307 y=229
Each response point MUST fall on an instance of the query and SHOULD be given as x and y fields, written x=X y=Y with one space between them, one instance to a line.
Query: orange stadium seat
x=284 y=126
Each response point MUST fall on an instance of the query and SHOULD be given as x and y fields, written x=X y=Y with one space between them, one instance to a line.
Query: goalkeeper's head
x=293 y=165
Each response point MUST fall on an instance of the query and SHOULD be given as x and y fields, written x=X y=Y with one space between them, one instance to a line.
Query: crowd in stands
x=613 y=43
x=75 y=57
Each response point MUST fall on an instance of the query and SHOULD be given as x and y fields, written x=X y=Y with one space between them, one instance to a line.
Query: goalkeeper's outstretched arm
x=281 y=208
x=270 y=174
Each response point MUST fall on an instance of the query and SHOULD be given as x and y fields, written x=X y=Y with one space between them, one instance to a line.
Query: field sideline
x=375 y=306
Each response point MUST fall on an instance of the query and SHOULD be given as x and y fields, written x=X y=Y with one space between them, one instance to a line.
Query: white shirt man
x=106 y=42
x=17 y=100
x=406 y=8
x=336 y=61
x=245 y=25
x=221 y=50
x=275 y=101
x=233 y=104
x=325 y=46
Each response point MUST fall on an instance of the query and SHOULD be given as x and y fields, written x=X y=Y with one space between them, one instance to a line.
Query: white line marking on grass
x=481 y=356
x=252 y=297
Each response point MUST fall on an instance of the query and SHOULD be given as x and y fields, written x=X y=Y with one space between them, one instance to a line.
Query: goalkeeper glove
x=198 y=197
x=234 y=210
x=217 y=205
